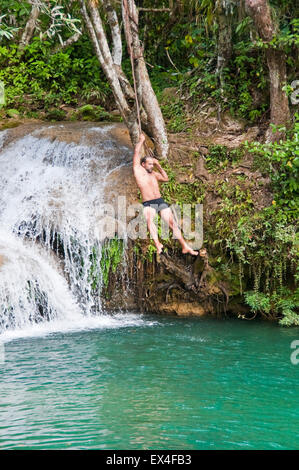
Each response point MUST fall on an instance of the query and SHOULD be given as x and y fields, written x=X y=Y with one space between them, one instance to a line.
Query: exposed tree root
x=197 y=283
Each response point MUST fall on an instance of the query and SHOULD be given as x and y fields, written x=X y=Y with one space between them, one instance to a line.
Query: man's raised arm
x=136 y=156
x=162 y=175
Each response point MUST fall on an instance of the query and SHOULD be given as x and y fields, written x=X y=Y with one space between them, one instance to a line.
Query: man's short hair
x=143 y=160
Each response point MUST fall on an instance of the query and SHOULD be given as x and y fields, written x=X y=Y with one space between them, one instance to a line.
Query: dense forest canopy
x=218 y=49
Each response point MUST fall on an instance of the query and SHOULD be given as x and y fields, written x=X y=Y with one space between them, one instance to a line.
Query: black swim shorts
x=157 y=204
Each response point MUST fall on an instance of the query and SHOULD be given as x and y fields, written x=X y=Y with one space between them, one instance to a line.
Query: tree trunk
x=115 y=32
x=30 y=27
x=96 y=31
x=260 y=12
x=151 y=116
x=224 y=46
x=280 y=111
x=224 y=11
x=145 y=91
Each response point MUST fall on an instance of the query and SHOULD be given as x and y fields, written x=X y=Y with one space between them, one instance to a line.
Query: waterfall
x=52 y=187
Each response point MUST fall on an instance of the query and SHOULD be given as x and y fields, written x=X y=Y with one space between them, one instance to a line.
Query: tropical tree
x=267 y=28
x=146 y=104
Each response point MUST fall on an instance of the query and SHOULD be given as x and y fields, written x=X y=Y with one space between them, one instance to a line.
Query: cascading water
x=51 y=196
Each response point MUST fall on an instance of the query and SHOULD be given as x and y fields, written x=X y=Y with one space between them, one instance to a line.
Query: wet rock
x=183 y=309
x=121 y=133
x=203 y=150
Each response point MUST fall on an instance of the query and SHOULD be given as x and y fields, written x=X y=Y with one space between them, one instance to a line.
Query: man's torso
x=148 y=184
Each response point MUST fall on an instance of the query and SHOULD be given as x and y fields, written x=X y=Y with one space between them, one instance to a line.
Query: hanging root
x=190 y=281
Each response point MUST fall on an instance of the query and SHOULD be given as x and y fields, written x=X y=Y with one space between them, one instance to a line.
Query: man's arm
x=136 y=156
x=162 y=175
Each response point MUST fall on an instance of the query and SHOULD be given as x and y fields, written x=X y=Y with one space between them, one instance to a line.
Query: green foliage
x=280 y=160
x=12 y=113
x=151 y=250
x=243 y=86
x=245 y=83
x=180 y=49
x=195 y=45
x=20 y=10
x=236 y=202
x=89 y=112
x=267 y=243
x=258 y=301
x=284 y=306
x=263 y=243
x=219 y=157
x=44 y=79
x=181 y=193
x=6 y=31
x=111 y=256
x=55 y=115
x=174 y=115
x=287 y=37
x=103 y=262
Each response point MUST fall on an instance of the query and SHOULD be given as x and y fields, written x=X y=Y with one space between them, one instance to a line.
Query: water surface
x=147 y=382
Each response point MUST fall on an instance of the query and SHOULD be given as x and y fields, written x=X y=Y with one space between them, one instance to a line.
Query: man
x=148 y=182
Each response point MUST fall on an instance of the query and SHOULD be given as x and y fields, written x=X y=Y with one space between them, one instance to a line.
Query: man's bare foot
x=187 y=249
x=159 y=247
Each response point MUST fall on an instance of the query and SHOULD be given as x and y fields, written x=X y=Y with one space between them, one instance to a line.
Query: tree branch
x=155 y=9
x=95 y=27
x=115 y=32
x=91 y=31
x=71 y=40
x=145 y=93
x=30 y=27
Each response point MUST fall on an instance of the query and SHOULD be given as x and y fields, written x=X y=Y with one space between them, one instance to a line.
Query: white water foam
x=3 y=135
x=51 y=193
x=81 y=323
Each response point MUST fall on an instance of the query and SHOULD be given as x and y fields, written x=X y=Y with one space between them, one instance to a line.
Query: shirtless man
x=148 y=182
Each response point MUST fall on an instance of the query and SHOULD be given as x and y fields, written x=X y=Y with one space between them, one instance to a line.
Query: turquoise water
x=152 y=383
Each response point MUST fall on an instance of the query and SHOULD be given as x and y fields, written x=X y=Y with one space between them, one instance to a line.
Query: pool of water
x=148 y=382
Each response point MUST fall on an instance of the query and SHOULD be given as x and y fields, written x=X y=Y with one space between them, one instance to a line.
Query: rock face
x=183 y=309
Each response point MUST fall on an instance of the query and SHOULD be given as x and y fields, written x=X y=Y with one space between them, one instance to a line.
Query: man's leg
x=167 y=215
x=149 y=214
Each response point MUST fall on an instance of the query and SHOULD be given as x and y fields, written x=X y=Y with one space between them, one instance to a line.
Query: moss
x=10 y=125
x=198 y=265
x=55 y=115
x=92 y=113
x=11 y=113
x=111 y=256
